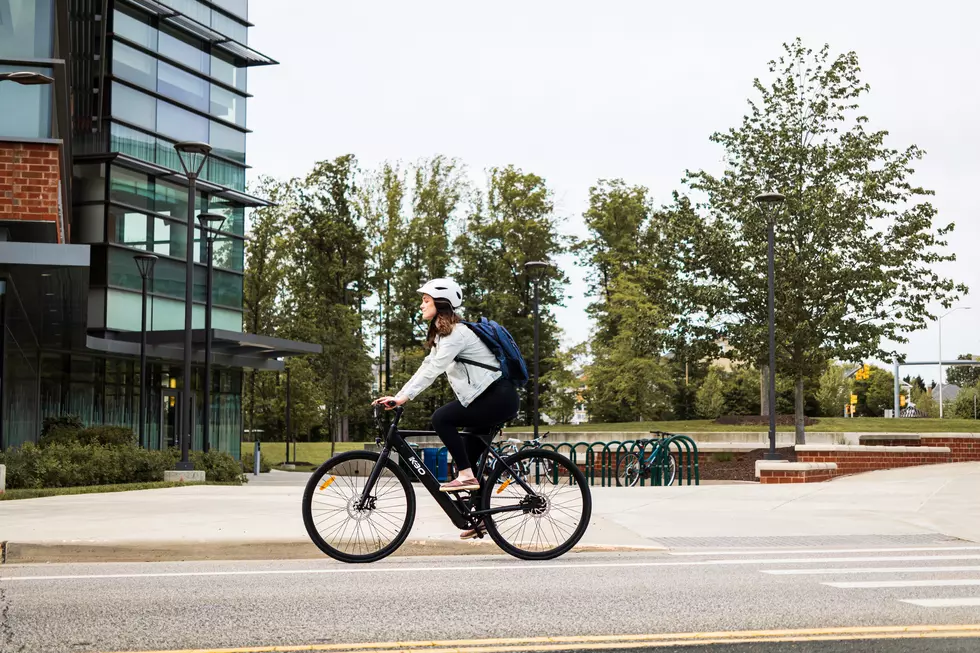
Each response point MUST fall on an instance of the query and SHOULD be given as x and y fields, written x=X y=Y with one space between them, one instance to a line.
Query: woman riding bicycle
x=483 y=398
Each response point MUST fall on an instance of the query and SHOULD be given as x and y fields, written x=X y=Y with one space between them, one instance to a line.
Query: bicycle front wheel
x=543 y=525
x=344 y=528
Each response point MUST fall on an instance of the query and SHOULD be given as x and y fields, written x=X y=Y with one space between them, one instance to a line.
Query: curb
x=41 y=553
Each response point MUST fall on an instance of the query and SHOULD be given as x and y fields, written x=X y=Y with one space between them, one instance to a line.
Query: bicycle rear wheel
x=628 y=470
x=346 y=531
x=549 y=522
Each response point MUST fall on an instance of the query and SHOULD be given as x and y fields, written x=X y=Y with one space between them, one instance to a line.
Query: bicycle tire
x=346 y=491
x=550 y=490
x=628 y=470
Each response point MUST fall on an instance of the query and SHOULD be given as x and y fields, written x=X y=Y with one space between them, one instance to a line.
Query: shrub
x=111 y=436
x=248 y=463
x=218 y=466
x=72 y=465
x=69 y=422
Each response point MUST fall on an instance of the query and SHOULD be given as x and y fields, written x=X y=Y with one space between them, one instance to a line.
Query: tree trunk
x=800 y=432
x=763 y=389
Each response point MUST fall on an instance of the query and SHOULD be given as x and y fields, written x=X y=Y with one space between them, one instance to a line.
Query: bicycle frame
x=459 y=511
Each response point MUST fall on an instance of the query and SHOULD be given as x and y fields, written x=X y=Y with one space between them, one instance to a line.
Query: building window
x=25 y=111
x=134 y=66
x=135 y=27
x=183 y=87
x=26 y=29
x=237 y=7
x=226 y=174
x=184 y=50
x=132 y=142
x=226 y=72
x=180 y=124
x=229 y=27
x=227 y=105
x=228 y=142
x=127 y=227
x=133 y=106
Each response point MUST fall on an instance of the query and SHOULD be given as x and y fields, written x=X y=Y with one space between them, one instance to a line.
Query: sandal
x=460 y=485
x=479 y=531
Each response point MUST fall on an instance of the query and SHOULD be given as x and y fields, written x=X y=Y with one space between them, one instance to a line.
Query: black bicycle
x=359 y=506
x=511 y=446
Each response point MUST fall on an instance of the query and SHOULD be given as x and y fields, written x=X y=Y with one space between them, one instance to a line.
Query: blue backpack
x=502 y=344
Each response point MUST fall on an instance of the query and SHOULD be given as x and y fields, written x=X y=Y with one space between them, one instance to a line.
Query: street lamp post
x=26 y=78
x=192 y=157
x=768 y=202
x=940 y=322
x=211 y=223
x=145 y=263
x=534 y=269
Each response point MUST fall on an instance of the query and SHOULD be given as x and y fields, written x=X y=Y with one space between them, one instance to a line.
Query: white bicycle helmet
x=444 y=289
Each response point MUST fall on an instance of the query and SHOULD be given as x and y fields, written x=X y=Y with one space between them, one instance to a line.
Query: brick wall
x=853 y=459
x=770 y=476
x=29 y=175
x=963 y=447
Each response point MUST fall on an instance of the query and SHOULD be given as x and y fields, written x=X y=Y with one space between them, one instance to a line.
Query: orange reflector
x=503 y=486
x=327 y=483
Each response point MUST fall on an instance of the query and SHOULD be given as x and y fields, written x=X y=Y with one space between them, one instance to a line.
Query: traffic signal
x=901 y=401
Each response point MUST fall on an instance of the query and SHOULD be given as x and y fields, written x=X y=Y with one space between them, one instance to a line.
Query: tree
x=742 y=391
x=856 y=251
x=834 y=390
x=879 y=395
x=965 y=404
x=634 y=256
x=963 y=375
x=710 y=397
x=513 y=224
x=564 y=380
x=925 y=403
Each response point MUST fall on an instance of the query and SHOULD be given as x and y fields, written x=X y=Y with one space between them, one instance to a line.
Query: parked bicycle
x=359 y=506
x=660 y=462
x=511 y=446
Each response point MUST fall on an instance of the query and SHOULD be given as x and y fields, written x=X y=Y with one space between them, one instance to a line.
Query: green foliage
x=68 y=465
x=563 y=380
x=834 y=390
x=513 y=223
x=218 y=466
x=109 y=436
x=925 y=403
x=67 y=422
x=964 y=376
x=856 y=250
x=964 y=405
x=742 y=391
x=710 y=400
x=248 y=463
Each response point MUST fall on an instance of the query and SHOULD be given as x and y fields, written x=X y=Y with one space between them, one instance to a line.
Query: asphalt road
x=207 y=605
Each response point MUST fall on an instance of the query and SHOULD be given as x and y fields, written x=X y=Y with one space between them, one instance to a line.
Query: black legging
x=498 y=403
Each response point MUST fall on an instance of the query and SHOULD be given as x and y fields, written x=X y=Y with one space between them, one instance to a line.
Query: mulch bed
x=740 y=468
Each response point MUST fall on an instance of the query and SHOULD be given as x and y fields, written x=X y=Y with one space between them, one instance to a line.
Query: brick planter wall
x=29 y=175
x=853 y=459
x=963 y=447
x=782 y=472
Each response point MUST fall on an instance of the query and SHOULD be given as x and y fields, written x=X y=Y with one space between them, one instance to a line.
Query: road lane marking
x=759 y=552
x=969 y=602
x=864 y=570
x=611 y=642
x=884 y=584
x=502 y=567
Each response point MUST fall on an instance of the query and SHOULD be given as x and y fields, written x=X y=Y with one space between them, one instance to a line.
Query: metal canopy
x=229 y=348
x=243 y=55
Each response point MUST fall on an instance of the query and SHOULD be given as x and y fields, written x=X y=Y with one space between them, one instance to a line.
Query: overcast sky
x=577 y=91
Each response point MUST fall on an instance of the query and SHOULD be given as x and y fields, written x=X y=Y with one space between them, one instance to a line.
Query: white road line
x=758 y=552
x=968 y=602
x=883 y=584
x=864 y=570
x=501 y=567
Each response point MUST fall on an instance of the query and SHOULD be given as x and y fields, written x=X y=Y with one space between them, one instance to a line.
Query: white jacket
x=467 y=381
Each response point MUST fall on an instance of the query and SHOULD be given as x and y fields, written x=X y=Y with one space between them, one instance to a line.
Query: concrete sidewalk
x=263 y=519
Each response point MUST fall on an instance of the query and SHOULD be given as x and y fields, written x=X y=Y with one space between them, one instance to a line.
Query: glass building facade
x=143 y=75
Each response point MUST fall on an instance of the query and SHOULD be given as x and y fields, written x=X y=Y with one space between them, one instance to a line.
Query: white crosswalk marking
x=947 y=582
x=973 y=601
x=757 y=552
x=884 y=566
x=864 y=570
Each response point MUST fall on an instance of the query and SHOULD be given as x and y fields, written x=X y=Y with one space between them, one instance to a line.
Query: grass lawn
x=11 y=495
x=274 y=453
x=823 y=425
